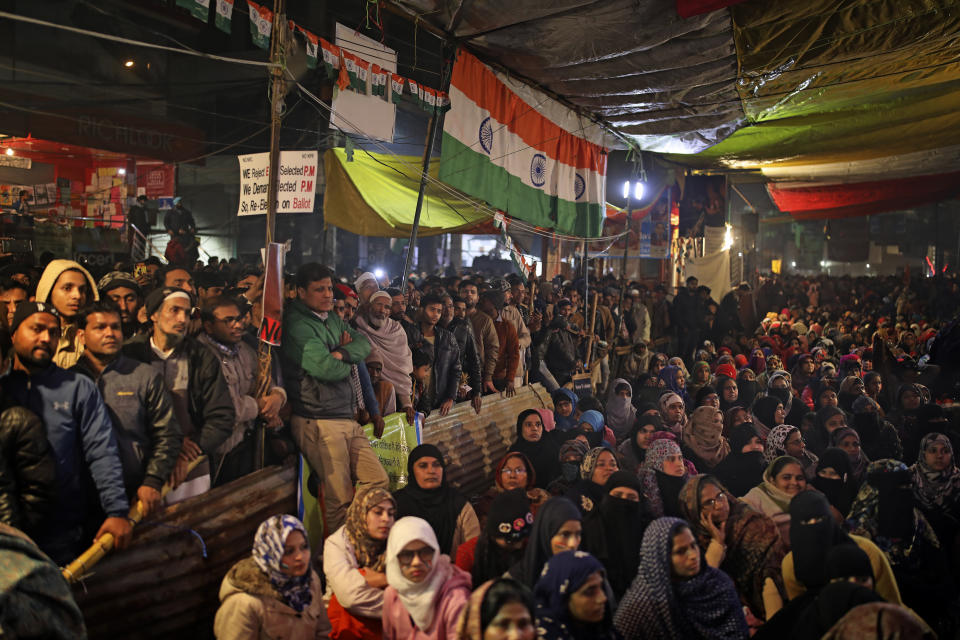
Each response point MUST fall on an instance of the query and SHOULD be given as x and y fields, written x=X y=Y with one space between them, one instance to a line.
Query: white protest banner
x=296 y=185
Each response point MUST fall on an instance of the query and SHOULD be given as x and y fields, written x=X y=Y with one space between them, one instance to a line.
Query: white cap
x=363 y=277
x=380 y=294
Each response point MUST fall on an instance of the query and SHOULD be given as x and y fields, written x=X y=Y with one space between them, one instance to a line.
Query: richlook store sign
x=296 y=186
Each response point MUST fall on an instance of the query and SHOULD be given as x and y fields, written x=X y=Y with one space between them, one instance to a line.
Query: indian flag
x=522 y=151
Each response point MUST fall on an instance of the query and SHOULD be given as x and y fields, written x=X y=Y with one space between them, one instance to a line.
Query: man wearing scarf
x=388 y=336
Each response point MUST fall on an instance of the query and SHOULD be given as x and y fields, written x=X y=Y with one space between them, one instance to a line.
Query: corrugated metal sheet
x=473 y=444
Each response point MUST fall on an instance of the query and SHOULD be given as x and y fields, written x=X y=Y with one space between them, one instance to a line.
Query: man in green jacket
x=320 y=353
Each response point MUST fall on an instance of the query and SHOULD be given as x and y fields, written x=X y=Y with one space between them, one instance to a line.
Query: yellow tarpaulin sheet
x=376 y=195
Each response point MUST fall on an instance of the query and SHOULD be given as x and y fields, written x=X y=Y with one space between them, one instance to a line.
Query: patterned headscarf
x=268 y=553
x=777 y=442
x=657 y=453
x=936 y=490
x=369 y=552
x=563 y=574
x=590 y=462
x=665 y=401
x=656 y=606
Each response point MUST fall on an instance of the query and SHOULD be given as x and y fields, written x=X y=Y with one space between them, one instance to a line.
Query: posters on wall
x=649 y=230
x=296 y=187
x=703 y=204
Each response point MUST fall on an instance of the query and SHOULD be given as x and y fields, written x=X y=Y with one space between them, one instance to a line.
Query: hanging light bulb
x=9 y=151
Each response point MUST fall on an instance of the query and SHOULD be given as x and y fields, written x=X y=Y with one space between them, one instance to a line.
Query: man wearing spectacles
x=223 y=330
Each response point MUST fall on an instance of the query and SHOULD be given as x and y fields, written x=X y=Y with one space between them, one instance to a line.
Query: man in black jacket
x=558 y=345
x=426 y=336
x=469 y=358
x=688 y=312
x=148 y=434
x=27 y=468
x=193 y=377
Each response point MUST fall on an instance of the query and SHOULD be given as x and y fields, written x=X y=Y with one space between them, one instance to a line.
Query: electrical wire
x=138 y=43
x=418 y=174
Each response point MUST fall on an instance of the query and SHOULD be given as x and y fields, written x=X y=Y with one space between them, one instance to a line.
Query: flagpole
x=435 y=121
x=623 y=267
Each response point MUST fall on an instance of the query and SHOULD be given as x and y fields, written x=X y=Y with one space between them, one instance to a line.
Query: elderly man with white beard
x=389 y=336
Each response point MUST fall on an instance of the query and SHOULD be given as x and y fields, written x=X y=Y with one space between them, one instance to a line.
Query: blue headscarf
x=594 y=419
x=568 y=422
x=268 y=552
x=563 y=574
x=669 y=377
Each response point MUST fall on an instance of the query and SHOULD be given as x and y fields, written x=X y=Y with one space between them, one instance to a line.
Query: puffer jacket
x=469 y=356
x=251 y=609
x=445 y=373
x=82 y=441
x=148 y=434
x=211 y=409
x=319 y=385
x=28 y=472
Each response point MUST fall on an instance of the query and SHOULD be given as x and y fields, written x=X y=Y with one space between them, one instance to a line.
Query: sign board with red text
x=296 y=186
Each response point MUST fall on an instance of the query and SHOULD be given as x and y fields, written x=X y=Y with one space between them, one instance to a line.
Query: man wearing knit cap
x=193 y=377
x=80 y=434
x=123 y=289
x=390 y=339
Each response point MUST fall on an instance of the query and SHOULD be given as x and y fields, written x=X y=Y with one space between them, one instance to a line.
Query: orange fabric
x=478 y=82
x=346 y=626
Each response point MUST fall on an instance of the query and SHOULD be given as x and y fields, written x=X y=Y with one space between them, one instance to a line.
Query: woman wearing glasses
x=426 y=592
x=738 y=539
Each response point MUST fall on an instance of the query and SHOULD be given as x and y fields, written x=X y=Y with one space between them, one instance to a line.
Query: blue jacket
x=81 y=437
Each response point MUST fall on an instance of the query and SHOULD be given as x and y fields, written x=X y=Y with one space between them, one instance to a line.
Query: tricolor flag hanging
x=261 y=24
x=199 y=9
x=429 y=99
x=363 y=72
x=522 y=152
x=224 y=15
x=396 y=88
x=378 y=80
x=519 y=260
x=443 y=101
x=331 y=58
x=313 y=43
x=349 y=62
x=416 y=91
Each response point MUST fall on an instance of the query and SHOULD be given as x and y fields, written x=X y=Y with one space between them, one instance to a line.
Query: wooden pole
x=277 y=89
x=74 y=571
x=532 y=293
x=623 y=267
x=593 y=324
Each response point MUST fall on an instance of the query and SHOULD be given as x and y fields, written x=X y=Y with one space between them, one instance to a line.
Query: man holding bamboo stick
x=80 y=434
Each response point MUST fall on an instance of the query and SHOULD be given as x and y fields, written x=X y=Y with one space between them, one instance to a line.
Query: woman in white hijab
x=426 y=591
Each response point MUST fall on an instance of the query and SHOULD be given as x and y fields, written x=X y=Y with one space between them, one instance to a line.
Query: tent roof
x=376 y=195
x=814 y=91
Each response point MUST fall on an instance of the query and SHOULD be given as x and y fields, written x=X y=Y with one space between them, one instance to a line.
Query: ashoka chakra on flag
x=550 y=164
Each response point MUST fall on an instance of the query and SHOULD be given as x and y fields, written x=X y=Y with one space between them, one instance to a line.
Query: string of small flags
x=500 y=222
x=347 y=70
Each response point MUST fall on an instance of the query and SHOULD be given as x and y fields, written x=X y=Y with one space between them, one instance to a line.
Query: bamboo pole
x=593 y=325
x=532 y=293
x=104 y=544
